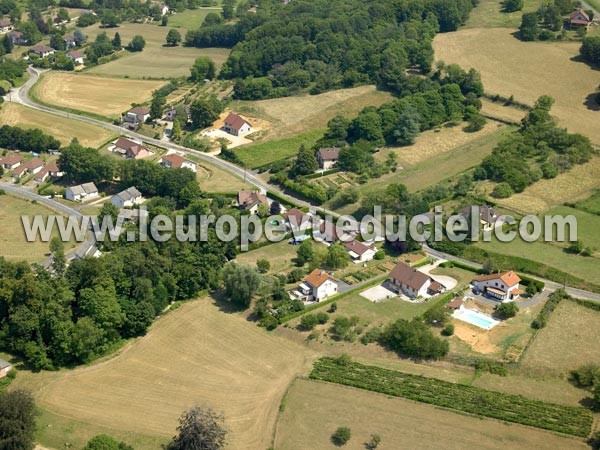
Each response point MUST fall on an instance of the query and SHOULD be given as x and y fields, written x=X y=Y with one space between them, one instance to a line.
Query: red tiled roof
x=317 y=277
x=129 y=146
x=11 y=159
x=296 y=217
x=509 y=278
x=176 y=161
x=579 y=13
x=329 y=153
x=140 y=110
x=405 y=274
x=33 y=163
x=235 y=122
x=247 y=199
x=357 y=247
x=75 y=54
x=455 y=304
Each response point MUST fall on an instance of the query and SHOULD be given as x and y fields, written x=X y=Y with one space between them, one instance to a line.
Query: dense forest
x=281 y=48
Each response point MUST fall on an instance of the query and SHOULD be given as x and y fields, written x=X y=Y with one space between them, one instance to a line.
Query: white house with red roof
x=328 y=157
x=316 y=287
x=137 y=115
x=236 y=125
x=75 y=56
x=414 y=283
x=359 y=251
x=175 y=161
x=579 y=18
x=11 y=162
x=130 y=149
x=503 y=286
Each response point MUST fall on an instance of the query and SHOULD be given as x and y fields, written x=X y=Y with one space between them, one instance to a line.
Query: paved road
x=586 y=6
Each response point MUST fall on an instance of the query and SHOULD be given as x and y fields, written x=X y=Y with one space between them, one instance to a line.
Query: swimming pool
x=475 y=318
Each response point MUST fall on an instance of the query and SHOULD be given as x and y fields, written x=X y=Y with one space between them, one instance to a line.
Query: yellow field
x=13 y=244
x=99 y=95
x=527 y=70
x=61 y=128
x=156 y=60
x=314 y=410
x=569 y=341
x=432 y=143
x=198 y=354
x=574 y=185
x=498 y=110
x=214 y=179
x=298 y=114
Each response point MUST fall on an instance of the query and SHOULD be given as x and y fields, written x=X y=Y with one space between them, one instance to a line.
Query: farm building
x=5 y=367
x=130 y=149
x=129 y=197
x=251 y=200
x=42 y=50
x=234 y=124
x=499 y=286
x=5 y=26
x=359 y=251
x=175 y=161
x=414 y=283
x=137 y=115
x=11 y=162
x=579 y=18
x=75 y=56
x=81 y=192
x=316 y=287
x=328 y=157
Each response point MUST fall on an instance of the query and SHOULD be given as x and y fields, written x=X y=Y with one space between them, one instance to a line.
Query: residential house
x=359 y=251
x=81 y=192
x=69 y=41
x=499 y=286
x=137 y=115
x=130 y=149
x=5 y=25
x=487 y=215
x=164 y=9
x=579 y=18
x=175 y=161
x=33 y=165
x=297 y=220
x=132 y=215
x=251 y=200
x=18 y=38
x=49 y=171
x=328 y=157
x=414 y=283
x=42 y=50
x=329 y=233
x=171 y=113
x=316 y=287
x=18 y=172
x=455 y=304
x=236 y=125
x=11 y=162
x=75 y=56
x=127 y=198
x=5 y=367
x=58 y=22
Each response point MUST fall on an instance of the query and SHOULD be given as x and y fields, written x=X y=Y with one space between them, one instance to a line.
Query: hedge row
x=553 y=300
x=573 y=420
x=321 y=174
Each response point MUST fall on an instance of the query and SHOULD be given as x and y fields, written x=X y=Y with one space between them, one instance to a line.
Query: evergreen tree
x=116 y=42
x=306 y=162
x=7 y=44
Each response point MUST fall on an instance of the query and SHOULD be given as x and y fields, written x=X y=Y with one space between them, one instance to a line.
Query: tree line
x=32 y=140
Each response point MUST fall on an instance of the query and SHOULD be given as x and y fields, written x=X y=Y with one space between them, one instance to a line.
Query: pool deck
x=470 y=316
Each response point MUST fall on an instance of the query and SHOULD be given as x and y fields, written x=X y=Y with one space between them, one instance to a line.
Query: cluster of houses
x=20 y=167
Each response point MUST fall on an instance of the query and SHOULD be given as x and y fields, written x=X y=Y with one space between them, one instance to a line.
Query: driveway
x=378 y=293
x=234 y=141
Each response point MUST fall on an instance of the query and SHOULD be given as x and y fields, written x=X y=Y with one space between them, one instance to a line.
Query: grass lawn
x=190 y=19
x=214 y=179
x=280 y=256
x=587 y=225
x=524 y=71
x=488 y=14
x=569 y=340
x=13 y=243
x=314 y=410
x=262 y=153
x=156 y=60
x=442 y=166
x=61 y=128
x=104 y=96
x=201 y=353
x=590 y=204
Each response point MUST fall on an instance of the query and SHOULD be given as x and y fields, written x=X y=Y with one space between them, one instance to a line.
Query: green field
x=156 y=60
x=488 y=14
x=591 y=204
x=262 y=153
x=190 y=19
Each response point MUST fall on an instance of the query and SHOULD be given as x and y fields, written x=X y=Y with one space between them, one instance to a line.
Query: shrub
x=341 y=436
x=379 y=255
x=322 y=318
x=295 y=275
x=586 y=375
x=507 y=310
x=553 y=300
x=308 y=321
x=448 y=330
x=263 y=265
x=333 y=307
x=502 y=190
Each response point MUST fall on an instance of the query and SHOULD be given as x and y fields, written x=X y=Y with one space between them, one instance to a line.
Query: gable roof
x=235 y=122
x=329 y=153
x=129 y=194
x=405 y=274
x=487 y=213
x=176 y=161
x=68 y=38
x=357 y=247
x=296 y=217
x=33 y=163
x=317 y=277
x=52 y=167
x=4 y=22
x=509 y=278
x=579 y=14
x=75 y=54
x=85 y=188
x=11 y=160
x=41 y=48
x=140 y=110
x=248 y=199
x=129 y=145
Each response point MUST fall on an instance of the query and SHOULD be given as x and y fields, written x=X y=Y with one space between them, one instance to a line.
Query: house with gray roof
x=127 y=198
x=81 y=192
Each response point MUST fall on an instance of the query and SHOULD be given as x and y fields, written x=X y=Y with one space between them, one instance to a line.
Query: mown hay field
x=489 y=14
x=569 y=341
x=198 y=354
x=61 y=128
x=13 y=243
x=191 y=19
x=314 y=410
x=104 y=96
x=156 y=60
x=527 y=70
x=214 y=179
x=574 y=185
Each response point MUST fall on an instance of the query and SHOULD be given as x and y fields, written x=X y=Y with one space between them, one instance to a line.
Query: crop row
x=571 y=420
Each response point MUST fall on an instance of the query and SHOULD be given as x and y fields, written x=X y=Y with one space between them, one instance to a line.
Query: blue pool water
x=476 y=318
